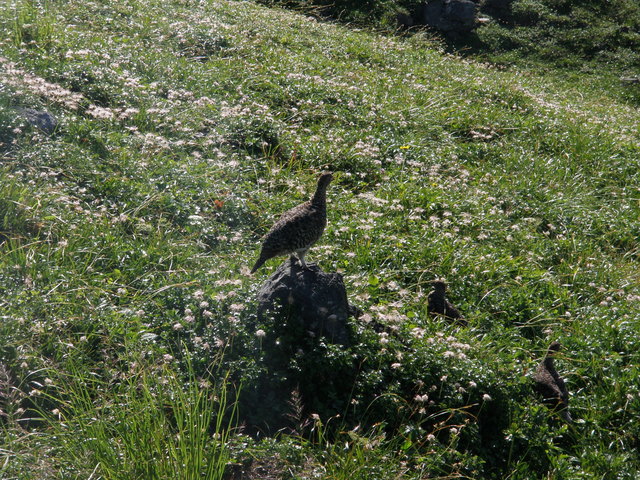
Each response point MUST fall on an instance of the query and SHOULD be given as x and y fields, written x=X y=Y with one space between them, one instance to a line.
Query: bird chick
x=550 y=385
x=439 y=305
x=298 y=228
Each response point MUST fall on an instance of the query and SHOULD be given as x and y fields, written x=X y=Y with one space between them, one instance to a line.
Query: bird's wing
x=546 y=384
x=294 y=214
x=291 y=225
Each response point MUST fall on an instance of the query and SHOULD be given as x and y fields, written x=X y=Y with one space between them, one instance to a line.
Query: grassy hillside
x=595 y=41
x=128 y=317
x=569 y=33
x=588 y=36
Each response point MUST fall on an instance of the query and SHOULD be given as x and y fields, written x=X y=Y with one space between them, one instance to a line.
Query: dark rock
x=40 y=119
x=404 y=20
x=497 y=8
x=316 y=299
x=432 y=13
x=450 y=16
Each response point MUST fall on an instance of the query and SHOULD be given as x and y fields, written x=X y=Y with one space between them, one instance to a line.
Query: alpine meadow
x=147 y=149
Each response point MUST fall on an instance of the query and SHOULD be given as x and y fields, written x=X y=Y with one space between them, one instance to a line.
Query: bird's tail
x=566 y=416
x=259 y=263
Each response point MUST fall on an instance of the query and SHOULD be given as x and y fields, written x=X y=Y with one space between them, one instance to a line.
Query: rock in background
x=450 y=16
x=455 y=18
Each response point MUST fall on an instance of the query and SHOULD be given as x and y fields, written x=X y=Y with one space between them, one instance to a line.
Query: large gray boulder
x=315 y=299
x=450 y=16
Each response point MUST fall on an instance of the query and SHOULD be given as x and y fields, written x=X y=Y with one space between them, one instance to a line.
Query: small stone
x=40 y=119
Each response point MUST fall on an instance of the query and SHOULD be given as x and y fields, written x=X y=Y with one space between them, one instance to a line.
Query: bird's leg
x=300 y=254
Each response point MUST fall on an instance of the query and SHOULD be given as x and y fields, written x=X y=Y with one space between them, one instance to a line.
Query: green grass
x=148 y=426
x=562 y=34
x=185 y=129
x=595 y=42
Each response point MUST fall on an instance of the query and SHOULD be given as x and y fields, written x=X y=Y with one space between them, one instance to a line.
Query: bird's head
x=325 y=178
x=554 y=348
x=439 y=285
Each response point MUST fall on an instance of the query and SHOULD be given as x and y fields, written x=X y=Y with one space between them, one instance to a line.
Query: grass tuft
x=153 y=424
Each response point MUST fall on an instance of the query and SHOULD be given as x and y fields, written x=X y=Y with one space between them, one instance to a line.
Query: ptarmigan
x=299 y=228
x=438 y=303
x=550 y=385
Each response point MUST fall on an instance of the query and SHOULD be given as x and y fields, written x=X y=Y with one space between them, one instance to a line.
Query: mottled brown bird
x=438 y=303
x=550 y=385
x=299 y=228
